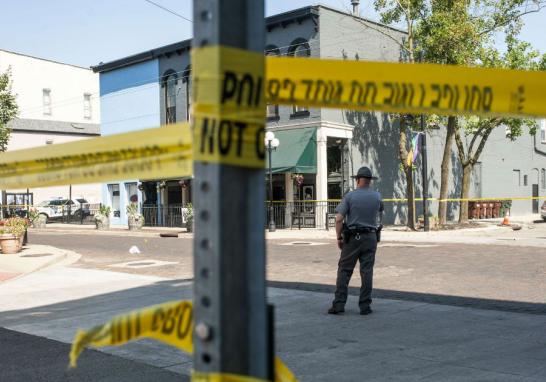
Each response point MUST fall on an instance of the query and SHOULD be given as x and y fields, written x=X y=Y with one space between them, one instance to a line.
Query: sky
x=87 y=32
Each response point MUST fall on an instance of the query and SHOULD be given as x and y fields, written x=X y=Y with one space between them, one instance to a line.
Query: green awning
x=297 y=151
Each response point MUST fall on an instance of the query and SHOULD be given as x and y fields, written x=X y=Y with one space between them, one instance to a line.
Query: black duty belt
x=354 y=231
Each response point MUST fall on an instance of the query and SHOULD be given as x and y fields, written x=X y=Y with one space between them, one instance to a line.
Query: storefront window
x=113 y=191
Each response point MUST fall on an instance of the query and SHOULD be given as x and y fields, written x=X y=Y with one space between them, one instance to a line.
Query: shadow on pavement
x=25 y=357
x=465 y=302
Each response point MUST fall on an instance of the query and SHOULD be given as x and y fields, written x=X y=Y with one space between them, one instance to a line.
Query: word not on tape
x=162 y=152
x=405 y=88
x=229 y=106
x=171 y=323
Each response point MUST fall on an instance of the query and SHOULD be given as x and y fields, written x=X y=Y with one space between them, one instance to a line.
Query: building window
x=300 y=48
x=113 y=191
x=186 y=80
x=543 y=178
x=46 y=100
x=272 y=110
x=543 y=131
x=516 y=175
x=87 y=106
x=131 y=190
x=169 y=84
x=525 y=180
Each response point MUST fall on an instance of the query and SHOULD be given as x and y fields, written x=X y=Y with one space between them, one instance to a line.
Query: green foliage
x=104 y=212
x=188 y=211
x=519 y=55
x=33 y=214
x=16 y=226
x=8 y=108
x=132 y=210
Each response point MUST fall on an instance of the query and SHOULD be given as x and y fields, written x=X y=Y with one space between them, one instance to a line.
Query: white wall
x=25 y=140
x=67 y=83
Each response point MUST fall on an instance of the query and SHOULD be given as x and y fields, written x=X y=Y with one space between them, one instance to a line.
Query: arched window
x=186 y=81
x=543 y=178
x=300 y=48
x=170 y=80
x=272 y=50
x=272 y=110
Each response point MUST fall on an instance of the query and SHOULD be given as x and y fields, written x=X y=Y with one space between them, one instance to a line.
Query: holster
x=378 y=232
x=345 y=233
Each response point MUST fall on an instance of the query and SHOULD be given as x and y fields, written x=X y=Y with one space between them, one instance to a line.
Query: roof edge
x=45 y=59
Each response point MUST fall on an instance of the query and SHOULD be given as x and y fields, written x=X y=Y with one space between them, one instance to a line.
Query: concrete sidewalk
x=61 y=229
x=531 y=234
x=401 y=341
x=33 y=258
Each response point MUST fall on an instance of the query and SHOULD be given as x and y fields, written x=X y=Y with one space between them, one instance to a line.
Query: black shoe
x=365 y=312
x=334 y=310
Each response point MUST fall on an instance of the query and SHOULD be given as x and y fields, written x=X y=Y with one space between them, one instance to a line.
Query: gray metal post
x=424 y=173
x=231 y=317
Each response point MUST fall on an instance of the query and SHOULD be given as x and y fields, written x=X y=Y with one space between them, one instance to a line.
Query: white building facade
x=58 y=103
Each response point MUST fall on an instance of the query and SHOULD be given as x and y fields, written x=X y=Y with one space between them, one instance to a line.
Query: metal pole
x=272 y=227
x=70 y=204
x=28 y=202
x=342 y=148
x=424 y=173
x=230 y=311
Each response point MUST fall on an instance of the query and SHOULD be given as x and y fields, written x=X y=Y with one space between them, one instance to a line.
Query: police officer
x=362 y=211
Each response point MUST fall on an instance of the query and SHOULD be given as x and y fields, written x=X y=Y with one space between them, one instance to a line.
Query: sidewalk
x=533 y=233
x=59 y=228
x=33 y=258
x=400 y=341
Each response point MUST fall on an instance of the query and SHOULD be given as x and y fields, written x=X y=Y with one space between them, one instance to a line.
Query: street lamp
x=271 y=144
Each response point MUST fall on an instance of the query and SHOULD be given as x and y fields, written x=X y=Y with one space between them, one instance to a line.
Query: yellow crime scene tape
x=405 y=88
x=171 y=323
x=229 y=112
x=147 y=154
x=229 y=120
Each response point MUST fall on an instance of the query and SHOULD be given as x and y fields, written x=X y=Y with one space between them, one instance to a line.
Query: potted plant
x=188 y=216
x=12 y=234
x=134 y=218
x=37 y=220
x=102 y=218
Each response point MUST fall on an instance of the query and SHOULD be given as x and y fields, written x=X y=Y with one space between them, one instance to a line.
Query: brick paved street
x=505 y=273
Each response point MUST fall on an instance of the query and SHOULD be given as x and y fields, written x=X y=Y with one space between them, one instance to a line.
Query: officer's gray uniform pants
x=362 y=250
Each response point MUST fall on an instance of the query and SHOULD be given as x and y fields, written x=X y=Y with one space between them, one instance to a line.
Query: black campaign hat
x=364 y=172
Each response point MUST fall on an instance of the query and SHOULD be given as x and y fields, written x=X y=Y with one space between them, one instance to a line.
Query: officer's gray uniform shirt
x=360 y=208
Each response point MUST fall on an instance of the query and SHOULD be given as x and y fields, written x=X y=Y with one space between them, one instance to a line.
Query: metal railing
x=302 y=214
x=74 y=214
x=173 y=215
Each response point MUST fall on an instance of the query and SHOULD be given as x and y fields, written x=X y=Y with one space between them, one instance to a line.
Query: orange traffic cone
x=506 y=220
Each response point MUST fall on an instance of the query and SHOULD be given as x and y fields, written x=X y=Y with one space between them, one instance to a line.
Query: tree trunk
x=445 y=169
x=465 y=192
x=410 y=195
x=403 y=156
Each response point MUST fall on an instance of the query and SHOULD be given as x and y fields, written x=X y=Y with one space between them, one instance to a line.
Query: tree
x=451 y=32
x=8 y=108
x=519 y=55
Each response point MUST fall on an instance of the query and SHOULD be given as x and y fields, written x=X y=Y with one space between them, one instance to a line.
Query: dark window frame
x=186 y=80
x=170 y=111
x=292 y=51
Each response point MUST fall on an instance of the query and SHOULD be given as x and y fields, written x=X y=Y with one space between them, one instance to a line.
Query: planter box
x=10 y=244
x=135 y=223
x=103 y=224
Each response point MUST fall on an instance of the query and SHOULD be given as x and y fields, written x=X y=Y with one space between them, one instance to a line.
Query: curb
x=64 y=258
